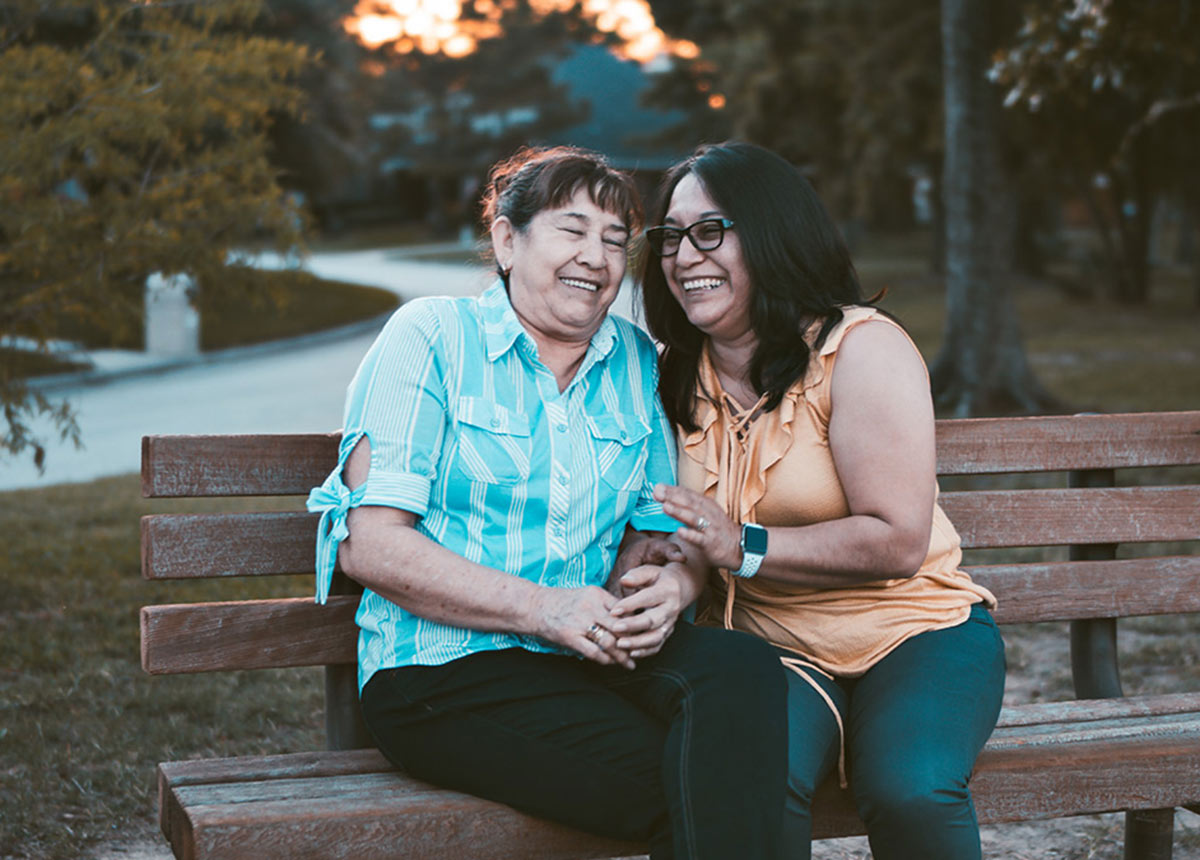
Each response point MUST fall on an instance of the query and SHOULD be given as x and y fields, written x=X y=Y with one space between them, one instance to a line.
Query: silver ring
x=702 y=524
x=593 y=633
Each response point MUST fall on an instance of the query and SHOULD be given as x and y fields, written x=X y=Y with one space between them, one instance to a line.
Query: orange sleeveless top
x=779 y=472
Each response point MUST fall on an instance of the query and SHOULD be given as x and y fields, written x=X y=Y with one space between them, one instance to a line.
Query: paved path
x=297 y=386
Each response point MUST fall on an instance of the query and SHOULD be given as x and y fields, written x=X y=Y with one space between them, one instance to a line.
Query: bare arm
x=387 y=555
x=881 y=437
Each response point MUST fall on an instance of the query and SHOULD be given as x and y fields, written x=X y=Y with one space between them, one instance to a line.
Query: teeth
x=702 y=284
x=583 y=285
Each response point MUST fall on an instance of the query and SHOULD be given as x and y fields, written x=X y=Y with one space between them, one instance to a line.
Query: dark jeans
x=915 y=722
x=687 y=752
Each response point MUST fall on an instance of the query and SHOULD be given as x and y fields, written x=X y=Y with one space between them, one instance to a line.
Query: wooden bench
x=1100 y=752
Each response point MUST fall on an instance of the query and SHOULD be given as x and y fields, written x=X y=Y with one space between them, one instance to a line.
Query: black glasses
x=706 y=235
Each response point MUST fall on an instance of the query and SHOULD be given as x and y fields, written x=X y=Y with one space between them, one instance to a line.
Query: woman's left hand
x=646 y=618
x=705 y=525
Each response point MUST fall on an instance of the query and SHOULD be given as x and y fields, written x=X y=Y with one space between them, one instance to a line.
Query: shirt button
x=562 y=479
x=562 y=428
x=495 y=422
x=623 y=434
x=558 y=531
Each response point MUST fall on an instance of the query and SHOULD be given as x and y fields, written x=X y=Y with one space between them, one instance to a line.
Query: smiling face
x=566 y=267
x=713 y=287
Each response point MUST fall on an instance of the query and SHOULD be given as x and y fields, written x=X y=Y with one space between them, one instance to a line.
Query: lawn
x=81 y=726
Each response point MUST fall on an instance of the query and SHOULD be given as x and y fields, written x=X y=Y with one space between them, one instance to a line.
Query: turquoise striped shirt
x=469 y=431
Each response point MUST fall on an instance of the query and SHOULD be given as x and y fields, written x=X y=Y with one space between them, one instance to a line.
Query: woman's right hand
x=579 y=619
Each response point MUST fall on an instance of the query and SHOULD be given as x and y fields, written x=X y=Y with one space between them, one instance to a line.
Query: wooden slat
x=258 y=465
x=179 y=546
x=1004 y=518
x=262 y=634
x=1051 y=760
x=1050 y=443
x=184 y=546
x=1059 y=591
x=248 y=634
x=294 y=463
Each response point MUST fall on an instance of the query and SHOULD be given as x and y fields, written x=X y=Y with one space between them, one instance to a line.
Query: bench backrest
x=1090 y=514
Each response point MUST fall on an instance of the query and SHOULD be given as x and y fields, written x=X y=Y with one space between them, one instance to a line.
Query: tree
x=133 y=139
x=981 y=367
x=1112 y=90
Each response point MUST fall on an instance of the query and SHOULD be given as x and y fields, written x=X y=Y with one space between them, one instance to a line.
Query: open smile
x=692 y=285
x=581 y=284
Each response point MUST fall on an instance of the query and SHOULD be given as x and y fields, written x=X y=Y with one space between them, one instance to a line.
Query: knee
x=920 y=797
x=737 y=658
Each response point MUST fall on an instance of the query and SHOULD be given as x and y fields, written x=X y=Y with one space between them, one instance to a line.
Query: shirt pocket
x=494 y=443
x=621 y=450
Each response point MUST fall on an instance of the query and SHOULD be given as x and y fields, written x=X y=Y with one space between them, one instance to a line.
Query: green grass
x=23 y=364
x=82 y=727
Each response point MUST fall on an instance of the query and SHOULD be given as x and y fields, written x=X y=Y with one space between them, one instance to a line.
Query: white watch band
x=750 y=565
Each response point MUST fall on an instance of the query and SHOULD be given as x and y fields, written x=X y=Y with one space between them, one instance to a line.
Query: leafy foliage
x=133 y=139
x=1112 y=92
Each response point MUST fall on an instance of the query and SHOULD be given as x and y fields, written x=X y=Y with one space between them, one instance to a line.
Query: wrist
x=753 y=550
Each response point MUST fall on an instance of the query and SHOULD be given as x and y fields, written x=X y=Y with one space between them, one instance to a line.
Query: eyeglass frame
x=665 y=229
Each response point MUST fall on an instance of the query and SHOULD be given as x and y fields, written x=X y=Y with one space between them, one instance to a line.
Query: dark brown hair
x=537 y=178
x=800 y=272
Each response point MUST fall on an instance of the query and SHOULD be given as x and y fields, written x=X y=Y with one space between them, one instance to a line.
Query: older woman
x=497 y=451
x=807 y=480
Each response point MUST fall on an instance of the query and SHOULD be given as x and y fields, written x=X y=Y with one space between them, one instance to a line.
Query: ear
x=503 y=242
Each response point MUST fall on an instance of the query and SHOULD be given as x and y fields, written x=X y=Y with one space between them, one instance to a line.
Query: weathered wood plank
x=974 y=446
x=1069 y=590
x=382 y=813
x=263 y=634
x=188 y=546
x=248 y=634
x=181 y=546
x=1005 y=518
x=245 y=465
x=287 y=464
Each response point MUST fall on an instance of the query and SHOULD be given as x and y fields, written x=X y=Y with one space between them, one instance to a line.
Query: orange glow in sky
x=437 y=26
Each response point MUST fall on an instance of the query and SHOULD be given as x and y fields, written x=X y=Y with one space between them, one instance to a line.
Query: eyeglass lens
x=704 y=235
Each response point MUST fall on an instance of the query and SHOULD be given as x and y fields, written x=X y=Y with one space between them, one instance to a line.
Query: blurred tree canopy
x=447 y=119
x=1110 y=90
x=133 y=139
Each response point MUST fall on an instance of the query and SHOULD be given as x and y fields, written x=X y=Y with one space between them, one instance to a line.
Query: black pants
x=687 y=752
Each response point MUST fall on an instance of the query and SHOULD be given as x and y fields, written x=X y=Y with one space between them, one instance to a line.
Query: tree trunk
x=981 y=368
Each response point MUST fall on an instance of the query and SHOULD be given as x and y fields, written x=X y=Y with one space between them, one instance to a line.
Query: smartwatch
x=754 y=547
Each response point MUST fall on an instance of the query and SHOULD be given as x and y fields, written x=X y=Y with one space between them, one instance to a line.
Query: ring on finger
x=702 y=524
x=593 y=633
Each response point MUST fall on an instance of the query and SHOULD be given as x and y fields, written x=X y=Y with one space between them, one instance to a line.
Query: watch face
x=754 y=539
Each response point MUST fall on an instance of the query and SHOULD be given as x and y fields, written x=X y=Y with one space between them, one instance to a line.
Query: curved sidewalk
x=289 y=386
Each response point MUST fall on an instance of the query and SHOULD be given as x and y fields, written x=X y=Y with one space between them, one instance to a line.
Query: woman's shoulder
x=855 y=319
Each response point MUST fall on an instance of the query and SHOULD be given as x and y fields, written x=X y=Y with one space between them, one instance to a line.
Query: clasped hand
x=630 y=620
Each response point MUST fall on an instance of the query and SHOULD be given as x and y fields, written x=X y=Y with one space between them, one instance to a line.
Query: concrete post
x=172 y=324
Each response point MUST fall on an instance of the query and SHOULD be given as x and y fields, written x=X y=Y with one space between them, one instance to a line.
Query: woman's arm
x=881 y=437
x=387 y=555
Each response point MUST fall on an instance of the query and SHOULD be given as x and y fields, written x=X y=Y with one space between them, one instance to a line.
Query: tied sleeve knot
x=334 y=500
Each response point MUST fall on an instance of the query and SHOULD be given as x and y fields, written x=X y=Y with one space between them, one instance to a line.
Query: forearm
x=842 y=552
x=404 y=566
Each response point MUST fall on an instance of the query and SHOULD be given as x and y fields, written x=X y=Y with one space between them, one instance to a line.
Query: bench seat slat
x=264 y=634
x=276 y=808
x=183 y=546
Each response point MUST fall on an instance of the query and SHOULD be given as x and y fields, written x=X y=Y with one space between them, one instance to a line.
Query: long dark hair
x=799 y=267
